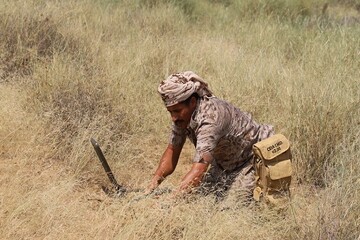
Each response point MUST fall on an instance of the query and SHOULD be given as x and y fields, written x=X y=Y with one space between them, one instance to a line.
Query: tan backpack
x=272 y=169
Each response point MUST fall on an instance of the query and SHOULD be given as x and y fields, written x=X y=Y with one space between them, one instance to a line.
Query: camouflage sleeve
x=177 y=136
x=212 y=126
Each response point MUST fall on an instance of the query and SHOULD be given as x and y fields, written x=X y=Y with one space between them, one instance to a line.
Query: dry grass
x=72 y=70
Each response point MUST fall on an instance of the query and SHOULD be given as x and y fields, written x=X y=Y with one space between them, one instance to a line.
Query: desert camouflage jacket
x=222 y=130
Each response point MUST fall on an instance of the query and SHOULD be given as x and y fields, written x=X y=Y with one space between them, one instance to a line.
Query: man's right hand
x=155 y=182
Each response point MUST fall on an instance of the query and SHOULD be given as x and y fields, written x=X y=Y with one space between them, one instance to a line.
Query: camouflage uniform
x=227 y=134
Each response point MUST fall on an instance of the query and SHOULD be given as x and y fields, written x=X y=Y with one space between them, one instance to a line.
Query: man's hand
x=155 y=182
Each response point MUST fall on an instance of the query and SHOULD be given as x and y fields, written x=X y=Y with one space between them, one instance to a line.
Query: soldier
x=222 y=134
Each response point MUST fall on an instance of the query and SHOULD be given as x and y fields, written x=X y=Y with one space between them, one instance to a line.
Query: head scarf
x=180 y=86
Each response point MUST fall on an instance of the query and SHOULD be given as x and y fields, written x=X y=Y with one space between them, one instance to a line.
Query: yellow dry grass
x=72 y=70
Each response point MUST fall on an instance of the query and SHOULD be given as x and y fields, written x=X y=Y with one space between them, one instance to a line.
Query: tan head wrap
x=180 y=86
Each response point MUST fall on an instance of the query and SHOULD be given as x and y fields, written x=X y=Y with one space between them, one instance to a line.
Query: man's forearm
x=166 y=167
x=168 y=161
x=193 y=177
x=163 y=171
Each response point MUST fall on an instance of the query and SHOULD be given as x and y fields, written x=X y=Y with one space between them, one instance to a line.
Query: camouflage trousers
x=237 y=185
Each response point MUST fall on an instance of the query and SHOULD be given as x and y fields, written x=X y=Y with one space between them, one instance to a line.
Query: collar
x=193 y=123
